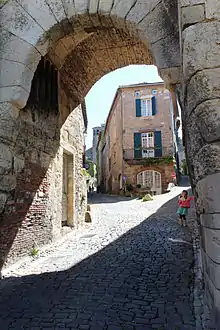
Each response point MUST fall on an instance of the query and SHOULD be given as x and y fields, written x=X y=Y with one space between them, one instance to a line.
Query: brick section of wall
x=33 y=213
x=24 y=221
x=165 y=171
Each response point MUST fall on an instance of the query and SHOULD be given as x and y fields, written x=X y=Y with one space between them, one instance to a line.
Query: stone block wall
x=26 y=156
x=180 y=37
x=32 y=212
x=199 y=22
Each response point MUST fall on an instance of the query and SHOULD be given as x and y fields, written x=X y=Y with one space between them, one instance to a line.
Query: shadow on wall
x=125 y=284
x=26 y=204
x=36 y=140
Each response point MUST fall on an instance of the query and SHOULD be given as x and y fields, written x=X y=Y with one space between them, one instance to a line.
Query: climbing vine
x=151 y=161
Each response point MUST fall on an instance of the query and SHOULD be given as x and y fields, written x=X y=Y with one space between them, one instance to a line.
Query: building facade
x=138 y=143
x=89 y=154
x=96 y=132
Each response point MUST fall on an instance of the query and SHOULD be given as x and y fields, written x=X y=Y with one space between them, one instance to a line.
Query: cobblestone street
x=132 y=269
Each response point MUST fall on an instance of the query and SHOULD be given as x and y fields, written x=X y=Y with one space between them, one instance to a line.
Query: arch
x=31 y=30
x=151 y=180
x=184 y=47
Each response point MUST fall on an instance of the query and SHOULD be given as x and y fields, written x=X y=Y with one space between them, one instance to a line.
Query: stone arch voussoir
x=31 y=30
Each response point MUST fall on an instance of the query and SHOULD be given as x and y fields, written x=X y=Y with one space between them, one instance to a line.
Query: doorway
x=150 y=179
x=67 y=193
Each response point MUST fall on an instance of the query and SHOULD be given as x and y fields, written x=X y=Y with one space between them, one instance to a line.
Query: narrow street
x=132 y=269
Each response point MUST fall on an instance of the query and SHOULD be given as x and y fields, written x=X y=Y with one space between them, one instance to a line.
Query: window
x=150 y=180
x=147 y=143
x=146 y=108
x=44 y=90
x=137 y=93
x=109 y=164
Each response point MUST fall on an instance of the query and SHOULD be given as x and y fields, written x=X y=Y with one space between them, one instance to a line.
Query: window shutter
x=158 y=144
x=153 y=100
x=137 y=145
x=138 y=107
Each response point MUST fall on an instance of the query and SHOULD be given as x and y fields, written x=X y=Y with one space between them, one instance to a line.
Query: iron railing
x=144 y=153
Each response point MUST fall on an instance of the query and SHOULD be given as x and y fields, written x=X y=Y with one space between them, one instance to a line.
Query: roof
x=128 y=86
x=142 y=84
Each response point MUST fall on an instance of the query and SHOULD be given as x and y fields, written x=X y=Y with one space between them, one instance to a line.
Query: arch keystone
x=105 y=6
x=141 y=9
x=122 y=8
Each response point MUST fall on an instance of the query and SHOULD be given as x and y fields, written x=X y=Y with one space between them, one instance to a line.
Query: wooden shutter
x=137 y=145
x=153 y=100
x=158 y=144
x=138 y=107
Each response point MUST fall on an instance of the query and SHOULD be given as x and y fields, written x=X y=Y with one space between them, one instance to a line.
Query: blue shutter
x=137 y=145
x=153 y=100
x=158 y=144
x=138 y=108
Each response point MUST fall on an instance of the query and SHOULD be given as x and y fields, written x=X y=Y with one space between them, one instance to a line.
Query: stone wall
x=32 y=214
x=31 y=143
x=88 y=39
x=200 y=30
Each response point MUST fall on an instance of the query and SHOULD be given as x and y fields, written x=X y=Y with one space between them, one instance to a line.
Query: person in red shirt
x=184 y=205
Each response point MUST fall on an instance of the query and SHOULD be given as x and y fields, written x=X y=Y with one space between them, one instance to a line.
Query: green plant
x=163 y=160
x=84 y=172
x=129 y=187
x=34 y=251
x=92 y=168
x=184 y=168
x=147 y=198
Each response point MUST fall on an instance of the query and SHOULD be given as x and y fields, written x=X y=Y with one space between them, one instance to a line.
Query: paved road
x=136 y=274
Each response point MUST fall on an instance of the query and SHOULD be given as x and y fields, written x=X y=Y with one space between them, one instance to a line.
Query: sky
x=100 y=97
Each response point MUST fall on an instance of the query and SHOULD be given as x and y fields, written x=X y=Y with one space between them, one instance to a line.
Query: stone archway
x=180 y=37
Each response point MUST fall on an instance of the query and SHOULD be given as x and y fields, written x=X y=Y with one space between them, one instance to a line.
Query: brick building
x=138 y=144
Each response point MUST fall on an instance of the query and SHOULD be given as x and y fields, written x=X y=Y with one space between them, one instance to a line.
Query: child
x=184 y=205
